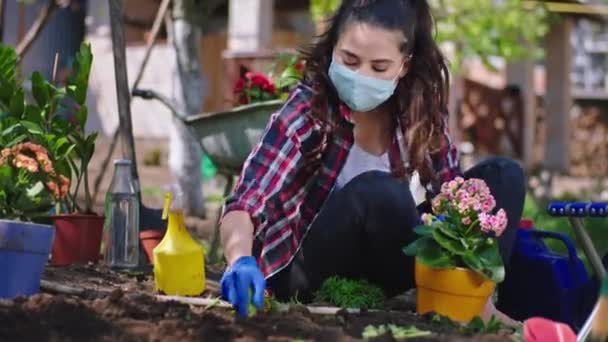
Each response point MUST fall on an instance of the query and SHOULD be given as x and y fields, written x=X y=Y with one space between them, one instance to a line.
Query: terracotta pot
x=78 y=239
x=457 y=293
x=150 y=239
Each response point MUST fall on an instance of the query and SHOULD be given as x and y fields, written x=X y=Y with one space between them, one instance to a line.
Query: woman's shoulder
x=297 y=109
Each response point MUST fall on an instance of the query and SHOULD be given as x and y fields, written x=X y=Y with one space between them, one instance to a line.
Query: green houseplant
x=79 y=228
x=56 y=119
x=457 y=258
x=30 y=184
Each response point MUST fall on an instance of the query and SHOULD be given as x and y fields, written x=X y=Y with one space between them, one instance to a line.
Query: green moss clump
x=347 y=293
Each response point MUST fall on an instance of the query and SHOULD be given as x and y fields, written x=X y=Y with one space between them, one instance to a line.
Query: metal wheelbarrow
x=575 y=212
x=226 y=138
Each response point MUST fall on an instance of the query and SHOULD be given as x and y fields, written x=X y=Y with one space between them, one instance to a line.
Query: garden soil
x=121 y=307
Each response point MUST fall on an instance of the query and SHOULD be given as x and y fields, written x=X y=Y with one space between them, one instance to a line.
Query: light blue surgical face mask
x=360 y=93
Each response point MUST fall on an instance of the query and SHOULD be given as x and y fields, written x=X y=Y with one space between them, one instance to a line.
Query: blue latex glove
x=241 y=277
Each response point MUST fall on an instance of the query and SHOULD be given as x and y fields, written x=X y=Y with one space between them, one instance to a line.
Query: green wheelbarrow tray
x=228 y=137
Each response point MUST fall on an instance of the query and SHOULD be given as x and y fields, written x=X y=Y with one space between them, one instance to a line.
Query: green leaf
x=68 y=152
x=6 y=93
x=447 y=242
x=431 y=254
x=448 y=232
x=90 y=145
x=39 y=89
x=17 y=106
x=32 y=113
x=473 y=261
x=493 y=265
x=32 y=127
x=16 y=140
x=82 y=115
x=10 y=130
x=8 y=71
x=6 y=174
x=412 y=248
x=320 y=9
x=79 y=80
x=74 y=167
x=59 y=143
x=424 y=230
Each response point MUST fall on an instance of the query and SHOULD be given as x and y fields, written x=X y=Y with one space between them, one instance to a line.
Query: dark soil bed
x=118 y=307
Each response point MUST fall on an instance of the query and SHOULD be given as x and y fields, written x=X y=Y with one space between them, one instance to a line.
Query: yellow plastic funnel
x=179 y=261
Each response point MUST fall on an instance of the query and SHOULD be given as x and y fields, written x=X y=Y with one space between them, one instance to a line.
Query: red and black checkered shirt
x=290 y=173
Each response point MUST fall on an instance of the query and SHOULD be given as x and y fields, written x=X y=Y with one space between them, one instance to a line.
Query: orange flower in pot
x=458 y=263
x=26 y=174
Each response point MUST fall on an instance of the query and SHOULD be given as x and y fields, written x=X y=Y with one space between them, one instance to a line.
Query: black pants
x=363 y=227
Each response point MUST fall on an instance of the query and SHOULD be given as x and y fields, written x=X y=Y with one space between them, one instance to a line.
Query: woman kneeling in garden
x=348 y=165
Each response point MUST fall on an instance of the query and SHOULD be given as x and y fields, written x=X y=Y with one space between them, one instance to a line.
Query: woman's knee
x=507 y=170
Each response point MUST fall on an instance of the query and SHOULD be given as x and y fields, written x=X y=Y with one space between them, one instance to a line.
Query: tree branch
x=34 y=31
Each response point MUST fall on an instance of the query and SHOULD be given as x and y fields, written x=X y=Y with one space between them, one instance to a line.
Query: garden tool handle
x=583 y=333
x=145 y=94
x=148 y=94
x=588 y=246
x=574 y=211
x=578 y=209
x=598 y=209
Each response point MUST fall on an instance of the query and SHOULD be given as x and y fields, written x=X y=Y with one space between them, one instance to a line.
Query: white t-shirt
x=360 y=161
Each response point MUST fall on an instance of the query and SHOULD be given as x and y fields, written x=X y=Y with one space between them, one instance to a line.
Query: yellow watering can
x=179 y=261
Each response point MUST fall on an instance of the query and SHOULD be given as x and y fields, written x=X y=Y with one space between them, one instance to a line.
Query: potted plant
x=56 y=120
x=79 y=228
x=457 y=262
x=30 y=184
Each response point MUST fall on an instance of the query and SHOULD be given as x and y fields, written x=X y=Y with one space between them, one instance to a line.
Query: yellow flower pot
x=457 y=293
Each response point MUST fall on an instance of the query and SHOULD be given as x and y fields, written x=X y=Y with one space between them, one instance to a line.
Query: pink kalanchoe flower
x=437 y=203
x=466 y=220
x=501 y=222
x=488 y=205
x=486 y=222
x=493 y=223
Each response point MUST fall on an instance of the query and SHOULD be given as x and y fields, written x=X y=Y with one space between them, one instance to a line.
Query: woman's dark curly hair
x=421 y=97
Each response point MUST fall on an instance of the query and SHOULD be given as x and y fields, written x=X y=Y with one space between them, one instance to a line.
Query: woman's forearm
x=236 y=232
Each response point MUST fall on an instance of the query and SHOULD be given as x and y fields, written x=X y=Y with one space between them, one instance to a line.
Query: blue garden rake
x=575 y=212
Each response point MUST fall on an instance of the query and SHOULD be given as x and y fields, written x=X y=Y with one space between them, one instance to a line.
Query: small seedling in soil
x=347 y=293
x=270 y=305
x=396 y=332
x=478 y=326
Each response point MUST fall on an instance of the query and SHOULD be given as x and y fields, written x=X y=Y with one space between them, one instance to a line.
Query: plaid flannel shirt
x=290 y=173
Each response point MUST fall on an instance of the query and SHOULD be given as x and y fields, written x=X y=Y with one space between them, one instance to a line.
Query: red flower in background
x=239 y=86
x=254 y=87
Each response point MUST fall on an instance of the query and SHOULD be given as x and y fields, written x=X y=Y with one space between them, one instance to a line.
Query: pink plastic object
x=538 y=329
